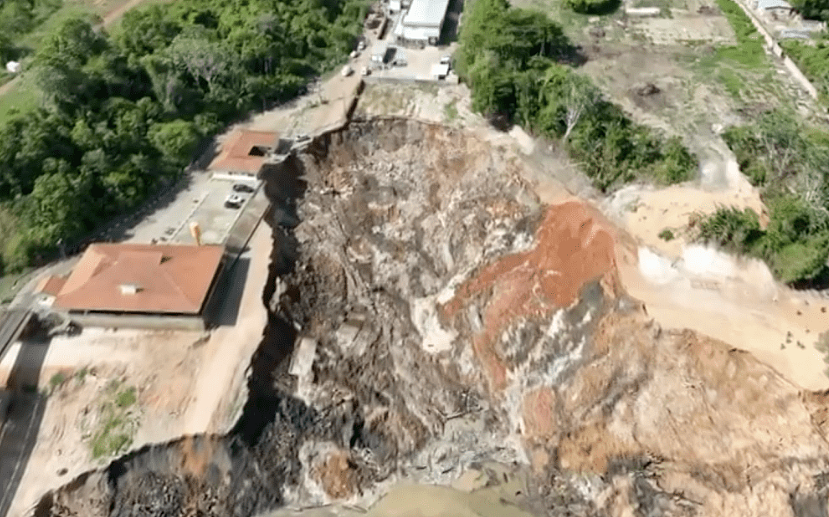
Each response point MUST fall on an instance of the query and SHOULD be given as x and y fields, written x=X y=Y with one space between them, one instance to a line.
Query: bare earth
x=187 y=385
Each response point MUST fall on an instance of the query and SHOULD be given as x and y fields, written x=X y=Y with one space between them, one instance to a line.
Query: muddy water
x=494 y=491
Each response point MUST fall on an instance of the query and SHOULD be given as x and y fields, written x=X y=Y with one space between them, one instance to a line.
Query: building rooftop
x=773 y=4
x=142 y=278
x=245 y=151
x=50 y=285
x=426 y=13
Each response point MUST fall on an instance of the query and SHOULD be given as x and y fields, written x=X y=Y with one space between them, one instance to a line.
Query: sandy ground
x=779 y=326
x=227 y=354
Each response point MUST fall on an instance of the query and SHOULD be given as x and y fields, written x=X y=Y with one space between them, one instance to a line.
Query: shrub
x=730 y=228
x=57 y=380
x=666 y=235
x=594 y=7
x=125 y=398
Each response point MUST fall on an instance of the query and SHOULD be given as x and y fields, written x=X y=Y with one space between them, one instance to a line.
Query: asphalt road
x=12 y=322
x=17 y=439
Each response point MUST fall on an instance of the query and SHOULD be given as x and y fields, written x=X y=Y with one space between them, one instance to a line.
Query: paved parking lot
x=419 y=62
x=201 y=201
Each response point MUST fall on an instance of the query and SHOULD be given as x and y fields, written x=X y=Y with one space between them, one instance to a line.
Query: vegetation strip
x=514 y=59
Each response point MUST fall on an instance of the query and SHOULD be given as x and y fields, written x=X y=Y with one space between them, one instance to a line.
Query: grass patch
x=813 y=60
x=731 y=81
x=748 y=52
x=116 y=428
x=112 y=438
x=125 y=398
x=22 y=96
x=81 y=374
x=56 y=381
x=742 y=69
x=450 y=110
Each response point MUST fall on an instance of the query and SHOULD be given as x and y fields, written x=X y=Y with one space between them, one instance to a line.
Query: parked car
x=347 y=70
x=241 y=187
x=233 y=201
x=361 y=45
x=365 y=71
x=446 y=60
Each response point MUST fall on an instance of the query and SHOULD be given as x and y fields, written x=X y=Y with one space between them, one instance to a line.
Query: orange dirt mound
x=571 y=249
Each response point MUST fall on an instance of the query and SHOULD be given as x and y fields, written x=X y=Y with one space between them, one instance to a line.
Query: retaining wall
x=143 y=321
x=374 y=79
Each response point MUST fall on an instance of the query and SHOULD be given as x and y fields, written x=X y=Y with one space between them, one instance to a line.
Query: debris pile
x=447 y=320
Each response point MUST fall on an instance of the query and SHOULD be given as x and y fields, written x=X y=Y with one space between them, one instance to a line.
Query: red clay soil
x=539 y=414
x=336 y=476
x=571 y=249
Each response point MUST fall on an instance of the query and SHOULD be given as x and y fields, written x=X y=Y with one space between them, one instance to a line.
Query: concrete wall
x=244 y=226
x=139 y=321
x=775 y=49
x=799 y=77
x=374 y=79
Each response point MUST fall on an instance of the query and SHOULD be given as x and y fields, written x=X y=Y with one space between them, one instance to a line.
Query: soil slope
x=429 y=316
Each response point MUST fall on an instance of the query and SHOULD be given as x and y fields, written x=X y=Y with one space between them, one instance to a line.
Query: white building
x=423 y=22
x=774 y=6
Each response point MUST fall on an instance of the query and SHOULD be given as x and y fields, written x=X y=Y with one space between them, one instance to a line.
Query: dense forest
x=516 y=63
x=123 y=112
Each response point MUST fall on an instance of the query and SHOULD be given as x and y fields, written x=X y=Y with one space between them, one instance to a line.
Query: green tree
x=813 y=9
x=176 y=140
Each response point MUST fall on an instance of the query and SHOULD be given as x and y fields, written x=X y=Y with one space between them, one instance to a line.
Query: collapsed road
x=428 y=315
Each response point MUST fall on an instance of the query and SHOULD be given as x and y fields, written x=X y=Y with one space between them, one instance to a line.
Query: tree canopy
x=123 y=113
x=516 y=63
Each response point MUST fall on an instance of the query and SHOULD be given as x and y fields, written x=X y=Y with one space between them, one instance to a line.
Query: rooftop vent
x=129 y=288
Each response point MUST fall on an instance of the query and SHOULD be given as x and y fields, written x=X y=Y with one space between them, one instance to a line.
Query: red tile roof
x=164 y=278
x=50 y=285
x=235 y=155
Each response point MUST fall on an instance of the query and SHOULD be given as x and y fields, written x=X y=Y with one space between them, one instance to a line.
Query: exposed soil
x=446 y=320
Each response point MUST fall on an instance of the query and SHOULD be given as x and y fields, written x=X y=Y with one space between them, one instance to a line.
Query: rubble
x=450 y=322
